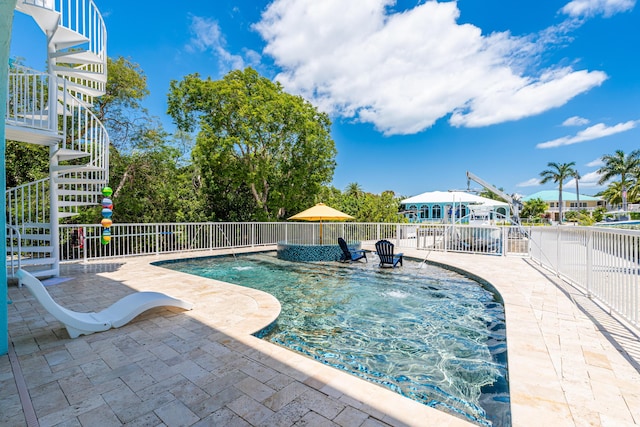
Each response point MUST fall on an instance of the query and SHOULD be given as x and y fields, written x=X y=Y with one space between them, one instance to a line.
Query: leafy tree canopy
x=534 y=208
x=364 y=207
x=120 y=108
x=257 y=146
x=626 y=167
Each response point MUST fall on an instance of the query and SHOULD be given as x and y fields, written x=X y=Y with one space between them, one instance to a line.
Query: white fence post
x=589 y=283
x=157 y=232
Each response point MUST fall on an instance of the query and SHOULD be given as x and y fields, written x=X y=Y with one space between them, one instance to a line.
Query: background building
x=570 y=202
x=444 y=206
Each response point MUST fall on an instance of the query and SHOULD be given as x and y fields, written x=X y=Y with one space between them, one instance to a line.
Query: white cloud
x=599 y=130
x=206 y=36
x=575 y=121
x=404 y=70
x=589 y=180
x=533 y=182
x=595 y=163
x=590 y=8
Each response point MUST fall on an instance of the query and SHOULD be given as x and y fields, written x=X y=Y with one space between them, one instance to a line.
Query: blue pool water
x=425 y=332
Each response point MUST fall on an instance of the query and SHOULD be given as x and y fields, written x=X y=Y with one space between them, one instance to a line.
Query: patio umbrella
x=321 y=212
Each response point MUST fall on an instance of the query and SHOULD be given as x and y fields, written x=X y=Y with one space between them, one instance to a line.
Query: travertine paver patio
x=202 y=367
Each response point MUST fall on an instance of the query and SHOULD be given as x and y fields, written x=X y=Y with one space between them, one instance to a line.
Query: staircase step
x=68 y=203
x=65 y=180
x=67 y=214
x=37 y=249
x=19 y=132
x=67 y=154
x=38 y=261
x=41 y=225
x=64 y=38
x=47 y=19
x=40 y=118
x=27 y=236
x=76 y=168
x=84 y=89
x=76 y=57
x=79 y=73
x=82 y=193
x=72 y=99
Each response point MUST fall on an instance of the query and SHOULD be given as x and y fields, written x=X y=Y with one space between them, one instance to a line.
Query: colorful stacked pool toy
x=107 y=211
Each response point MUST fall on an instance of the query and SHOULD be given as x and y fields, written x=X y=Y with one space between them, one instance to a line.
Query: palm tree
x=576 y=176
x=354 y=189
x=634 y=188
x=559 y=173
x=613 y=193
x=619 y=164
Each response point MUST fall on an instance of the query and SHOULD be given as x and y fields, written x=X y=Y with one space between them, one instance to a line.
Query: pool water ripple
x=428 y=333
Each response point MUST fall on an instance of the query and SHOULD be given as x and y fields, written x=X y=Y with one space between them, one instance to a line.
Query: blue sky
x=419 y=91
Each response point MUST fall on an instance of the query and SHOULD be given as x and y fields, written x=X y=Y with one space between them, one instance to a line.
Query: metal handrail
x=10 y=261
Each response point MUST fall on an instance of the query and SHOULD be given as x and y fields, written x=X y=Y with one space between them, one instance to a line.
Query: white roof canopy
x=451 y=197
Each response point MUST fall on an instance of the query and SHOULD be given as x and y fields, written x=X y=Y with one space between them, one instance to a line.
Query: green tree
x=619 y=164
x=634 y=188
x=331 y=196
x=149 y=184
x=273 y=145
x=120 y=108
x=534 y=208
x=613 y=193
x=381 y=208
x=151 y=181
x=353 y=199
x=558 y=172
x=25 y=163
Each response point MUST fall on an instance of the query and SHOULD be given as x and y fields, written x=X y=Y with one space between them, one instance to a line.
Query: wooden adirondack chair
x=349 y=255
x=384 y=249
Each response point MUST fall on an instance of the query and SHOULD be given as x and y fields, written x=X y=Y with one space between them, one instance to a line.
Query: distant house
x=450 y=206
x=569 y=202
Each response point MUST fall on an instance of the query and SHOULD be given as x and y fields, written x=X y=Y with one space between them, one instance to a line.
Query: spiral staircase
x=54 y=109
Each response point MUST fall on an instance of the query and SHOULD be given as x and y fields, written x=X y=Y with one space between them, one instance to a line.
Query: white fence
x=605 y=262
x=83 y=241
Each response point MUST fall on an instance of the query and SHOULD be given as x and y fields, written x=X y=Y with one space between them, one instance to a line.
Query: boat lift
x=514 y=205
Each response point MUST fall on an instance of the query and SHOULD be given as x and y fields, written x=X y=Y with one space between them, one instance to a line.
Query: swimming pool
x=428 y=333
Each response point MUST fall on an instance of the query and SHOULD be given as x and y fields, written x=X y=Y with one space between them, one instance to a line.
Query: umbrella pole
x=320 y=231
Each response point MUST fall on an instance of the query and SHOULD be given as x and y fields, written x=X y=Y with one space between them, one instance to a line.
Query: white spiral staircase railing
x=53 y=109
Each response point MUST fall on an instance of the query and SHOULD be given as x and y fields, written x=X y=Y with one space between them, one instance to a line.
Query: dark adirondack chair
x=384 y=249
x=349 y=255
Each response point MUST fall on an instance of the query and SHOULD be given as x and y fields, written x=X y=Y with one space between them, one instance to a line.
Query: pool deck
x=570 y=363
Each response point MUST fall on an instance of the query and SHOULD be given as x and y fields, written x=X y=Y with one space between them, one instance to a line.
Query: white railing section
x=28 y=203
x=152 y=239
x=83 y=131
x=80 y=130
x=80 y=16
x=14 y=251
x=83 y=17
x=605 y=263
x=490 y=240
x=27 y=99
